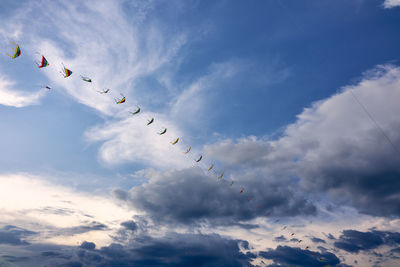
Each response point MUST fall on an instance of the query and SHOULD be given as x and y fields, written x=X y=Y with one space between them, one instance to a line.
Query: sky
x=293 y=102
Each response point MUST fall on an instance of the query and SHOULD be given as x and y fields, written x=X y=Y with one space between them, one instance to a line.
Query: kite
x=105 y=91
x=307 y=247
x=47 y=87
x=222 y=175
x=210 y=168
x=150 y=121
x=86 y=79
x=43 y=63
x=17 y=51
x=231 y=183
x=176 y=141
x=198 y=160
x=163 y=131
x=66 y=72
x=136 y=112
x=188 y=150
x=284 y=228
x=241 y=191
x=120 y=101
x=292 y=234
x=259 y=206
x=300 y=241
x=250 y=199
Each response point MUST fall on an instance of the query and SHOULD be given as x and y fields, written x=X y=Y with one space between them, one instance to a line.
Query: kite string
x=376 y=123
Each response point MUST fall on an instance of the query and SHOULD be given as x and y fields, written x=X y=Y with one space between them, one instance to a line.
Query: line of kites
x=66 y=73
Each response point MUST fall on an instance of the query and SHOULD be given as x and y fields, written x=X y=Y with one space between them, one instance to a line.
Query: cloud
x=13 y=235
x=334 y=147
x=190 y=196
x=15 y=98
x=317 y=240
x=391 y=3
x=289 y=256
x=58 y=214
x=354 y=241
x=169 y=250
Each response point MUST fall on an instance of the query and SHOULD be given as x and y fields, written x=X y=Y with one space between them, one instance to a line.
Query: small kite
x=198 y=160
x=120 y=101
x=259 y=206
x=284 y=228
x=188 y=150
x=66 y=72
x=150 y=121
x=222 y=175
x=163 y=131
x=292 y=234
x=210 y=168
x=232 y=182
x=17 y=51
x=250 y=199
x=307 y=247
x=105 y=91
x=86 y=79
x=136 y=111
x=47 y=87
x=43 y=63
x=300 y=241
x=175 y=142
x=241 y=191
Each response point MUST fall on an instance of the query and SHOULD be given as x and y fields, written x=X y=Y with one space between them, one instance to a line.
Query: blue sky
x=262 y=89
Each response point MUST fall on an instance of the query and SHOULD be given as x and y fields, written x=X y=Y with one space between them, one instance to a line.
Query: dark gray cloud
x=317 y=240
x=130 y=225
x=13 y=235
x=171 y=250
x=280 y=239
x=190 y=196
x=92 y=226
x=290 y=256
x=354 y=241
x=88 y=245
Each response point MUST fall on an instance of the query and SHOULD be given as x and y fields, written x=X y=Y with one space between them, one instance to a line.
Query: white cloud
x=15 y=98
x=30 y=202
x=334 y=146
x=391 y=3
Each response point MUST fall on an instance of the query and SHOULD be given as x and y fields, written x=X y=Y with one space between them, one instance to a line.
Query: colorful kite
x=163 y=131
x=150 y=121
x=66 y=72
x=210 y=168
x=188 y=150
x=198 y=160
x=86 y=79
x=222 y=175
x=176 y=141
x=17 y=51
x=136 y=112
x=105 y=91
x=120 y=101
x=43 y=63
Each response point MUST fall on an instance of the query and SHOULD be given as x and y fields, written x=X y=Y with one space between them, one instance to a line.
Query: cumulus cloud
x=354 y=241
x=169 y=250
x=391 y=3
x=9 y=96
x=334 y=146
x=290 y=256
x=190 y=196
